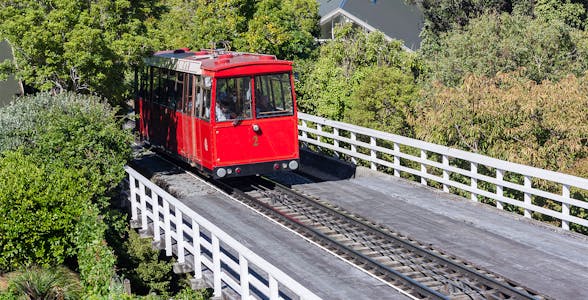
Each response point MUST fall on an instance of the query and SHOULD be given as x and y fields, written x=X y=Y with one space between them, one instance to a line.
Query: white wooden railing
x=198 y=242
x=383 y=150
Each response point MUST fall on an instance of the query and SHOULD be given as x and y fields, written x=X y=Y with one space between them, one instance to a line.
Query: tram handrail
x=343 y=138
x=177 y=222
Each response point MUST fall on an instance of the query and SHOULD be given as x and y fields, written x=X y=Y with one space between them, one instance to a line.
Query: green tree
x=40 y=205
x=175 y=28
x=285 y=28
x=326 y=86
x=443 y=16
x=221 y=20
x=505 y=43
x=96 y=259
x=383 y=100
x=60 y=162
x=82 y=46
x=146 y=270
x=508 y=117
x=572 y=13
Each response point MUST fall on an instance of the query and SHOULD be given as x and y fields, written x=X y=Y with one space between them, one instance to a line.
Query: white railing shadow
x=468 y=174
x=202 y=247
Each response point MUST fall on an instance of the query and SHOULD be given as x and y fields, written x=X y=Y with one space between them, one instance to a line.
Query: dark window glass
x=233 y=98
x=273 y=95
x=203 y=97
x=188 y=98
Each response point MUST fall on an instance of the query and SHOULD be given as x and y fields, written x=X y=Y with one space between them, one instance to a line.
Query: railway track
x=405 y=264
x=416 y=269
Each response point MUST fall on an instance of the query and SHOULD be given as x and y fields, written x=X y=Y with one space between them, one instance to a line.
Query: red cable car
x=226 y=113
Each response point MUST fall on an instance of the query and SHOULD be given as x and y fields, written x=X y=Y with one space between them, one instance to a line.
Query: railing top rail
x=455 y=153
x=225 y=238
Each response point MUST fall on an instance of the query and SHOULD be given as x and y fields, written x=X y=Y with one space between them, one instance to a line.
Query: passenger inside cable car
x=262 y=104
x=224 y=110
x=233 y=99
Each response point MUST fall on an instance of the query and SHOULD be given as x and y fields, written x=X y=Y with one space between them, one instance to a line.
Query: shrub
x=50 y=284
x=60 y=158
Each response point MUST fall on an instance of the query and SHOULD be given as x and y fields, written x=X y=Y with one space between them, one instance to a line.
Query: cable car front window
x=273 y=95
x=233 y=99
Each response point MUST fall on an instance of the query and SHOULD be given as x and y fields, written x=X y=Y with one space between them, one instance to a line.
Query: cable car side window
x=188 y=94
x=203 y=97
x=171 y=91
x=157 y=85
x=273 y=95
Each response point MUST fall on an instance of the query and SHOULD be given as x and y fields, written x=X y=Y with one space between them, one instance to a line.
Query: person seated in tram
x=262 y=104
x=223 y=111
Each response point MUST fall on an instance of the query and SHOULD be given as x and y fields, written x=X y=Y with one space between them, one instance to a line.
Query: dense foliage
x=383 y=100
x=446 y=15
x=61 y=157
x=505 y=43
x=81 y=46
x=39 y=205
x=224 y=20
x=343 y=67
x=512 y=118
x=144 y=267
x=285 y=28
x=41 y=283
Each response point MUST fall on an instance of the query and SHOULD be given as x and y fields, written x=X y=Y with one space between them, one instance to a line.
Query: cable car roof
x=183 y=60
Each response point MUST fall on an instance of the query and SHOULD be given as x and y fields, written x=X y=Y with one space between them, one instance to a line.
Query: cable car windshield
x=233 y=99
x=273 y=95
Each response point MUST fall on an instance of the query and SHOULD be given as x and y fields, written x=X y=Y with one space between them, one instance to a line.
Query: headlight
x=293 y=165
x=221 y=172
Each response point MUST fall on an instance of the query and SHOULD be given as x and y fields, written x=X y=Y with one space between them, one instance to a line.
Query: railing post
x=319 y=128
x=167 y=228
x=527 y=196
x=474 y=181
x=499 y=189
x=336 y=139
x=216 y=266
x=133 y=195
x=273 y=288
x=353 y=147
x=565 y=207
x=180 y=236
x=396 y=160
x=445 y=160
x=423 y=167
x=143 y=200
x=156 y=221
x=244 y=277
x=304 y=126
x=373 y=153
x=196 y=254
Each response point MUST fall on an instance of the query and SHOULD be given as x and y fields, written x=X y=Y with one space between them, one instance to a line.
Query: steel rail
x=504 y=288
x=420 y=289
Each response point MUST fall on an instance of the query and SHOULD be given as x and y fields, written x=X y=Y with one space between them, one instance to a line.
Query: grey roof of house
x=393 y=17
x=326 y=6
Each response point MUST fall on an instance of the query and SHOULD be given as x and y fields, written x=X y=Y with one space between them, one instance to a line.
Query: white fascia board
x=340 y=11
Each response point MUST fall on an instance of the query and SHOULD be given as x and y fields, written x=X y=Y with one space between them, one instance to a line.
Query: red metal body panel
x=205 y=143
x=237 y=145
